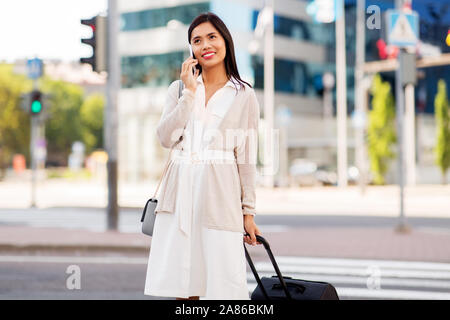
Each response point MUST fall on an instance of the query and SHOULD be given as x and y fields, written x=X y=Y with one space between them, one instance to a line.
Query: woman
x=207 y=197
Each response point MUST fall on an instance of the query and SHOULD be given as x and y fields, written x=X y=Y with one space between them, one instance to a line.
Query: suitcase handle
x=274 y=263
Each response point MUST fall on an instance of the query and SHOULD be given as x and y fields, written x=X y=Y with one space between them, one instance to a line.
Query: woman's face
x=204 y=39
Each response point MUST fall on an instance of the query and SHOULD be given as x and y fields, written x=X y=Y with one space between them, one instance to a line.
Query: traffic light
x=97 y=42
x=36 y=102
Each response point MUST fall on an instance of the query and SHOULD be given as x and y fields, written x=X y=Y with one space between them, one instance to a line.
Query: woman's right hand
x=189 y=79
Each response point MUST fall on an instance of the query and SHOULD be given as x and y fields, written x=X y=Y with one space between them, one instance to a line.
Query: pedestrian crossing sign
x=402 y=28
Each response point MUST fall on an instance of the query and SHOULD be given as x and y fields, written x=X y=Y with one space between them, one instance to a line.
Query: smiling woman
x=211 y=41
x=207 y=198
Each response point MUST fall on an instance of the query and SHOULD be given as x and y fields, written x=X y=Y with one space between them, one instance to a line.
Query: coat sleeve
x=246 y=156
x=175 y=115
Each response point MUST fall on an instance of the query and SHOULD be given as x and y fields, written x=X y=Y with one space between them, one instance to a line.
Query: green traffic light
x=36 y=106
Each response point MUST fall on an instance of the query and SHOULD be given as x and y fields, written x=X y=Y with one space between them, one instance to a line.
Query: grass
x=66 y=173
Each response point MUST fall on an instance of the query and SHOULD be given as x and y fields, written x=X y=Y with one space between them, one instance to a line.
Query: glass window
x=155 y=18
x=292 y=76
x=151 y=70
x=320 y=33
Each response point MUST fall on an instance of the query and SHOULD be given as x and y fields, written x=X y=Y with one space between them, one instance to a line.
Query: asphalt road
x=114 y=275
x=106 y=276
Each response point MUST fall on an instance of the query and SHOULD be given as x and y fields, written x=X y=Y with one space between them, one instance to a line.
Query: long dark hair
x=230 y=60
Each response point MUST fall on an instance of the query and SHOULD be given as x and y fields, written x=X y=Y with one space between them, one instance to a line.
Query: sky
x=47 y=29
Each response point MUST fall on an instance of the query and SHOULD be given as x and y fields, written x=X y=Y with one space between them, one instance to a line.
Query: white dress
x=203 y=262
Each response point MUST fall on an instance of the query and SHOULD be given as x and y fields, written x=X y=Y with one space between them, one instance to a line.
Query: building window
x=151 y=70
x=292 y=76
x=319 y=33
x=156 y=18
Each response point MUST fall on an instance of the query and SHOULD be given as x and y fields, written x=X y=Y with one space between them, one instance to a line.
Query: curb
x=68 y=247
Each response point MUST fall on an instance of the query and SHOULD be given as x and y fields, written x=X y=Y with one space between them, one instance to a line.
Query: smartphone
x=192 y=56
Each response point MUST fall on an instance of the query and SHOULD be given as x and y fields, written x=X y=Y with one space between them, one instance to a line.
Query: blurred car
x=302 y=172
x=327 y=175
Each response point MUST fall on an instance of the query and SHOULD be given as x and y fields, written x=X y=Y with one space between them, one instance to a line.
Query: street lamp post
x=110 y=130
x=360 y=106
x=341 y=94
x=264 y=30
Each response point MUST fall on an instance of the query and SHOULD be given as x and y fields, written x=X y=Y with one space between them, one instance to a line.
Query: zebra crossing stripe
x=355 y=278
x=351 y=271
x=363 y=293
x=287 y=260
x=362 y=281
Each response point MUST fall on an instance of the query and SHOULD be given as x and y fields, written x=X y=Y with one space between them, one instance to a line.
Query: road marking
x=70 y=259
x=426 y=280
x=362 y=281
x=391 y=294
x=363 y=263
x=345 y=279
x=289 y=263
x=354 y=271
x=362 y=293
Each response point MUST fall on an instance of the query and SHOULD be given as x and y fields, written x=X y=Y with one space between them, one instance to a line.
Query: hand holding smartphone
x=190 y=63
x=192 y=56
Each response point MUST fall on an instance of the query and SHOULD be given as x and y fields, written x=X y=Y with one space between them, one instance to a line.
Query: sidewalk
x=420 y=201
x=366 y=242
x=338 y=242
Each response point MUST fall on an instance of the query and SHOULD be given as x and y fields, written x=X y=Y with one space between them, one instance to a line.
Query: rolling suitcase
x=286 y=288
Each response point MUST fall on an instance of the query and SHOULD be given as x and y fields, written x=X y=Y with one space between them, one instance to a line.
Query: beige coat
x=229 y=187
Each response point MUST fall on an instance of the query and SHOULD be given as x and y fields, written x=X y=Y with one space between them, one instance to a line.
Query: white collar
x=232 y=82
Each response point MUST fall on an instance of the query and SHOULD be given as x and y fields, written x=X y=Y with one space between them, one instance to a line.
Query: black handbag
x=286 y=288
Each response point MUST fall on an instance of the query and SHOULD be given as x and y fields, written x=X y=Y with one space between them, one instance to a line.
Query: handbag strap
x=180 y=89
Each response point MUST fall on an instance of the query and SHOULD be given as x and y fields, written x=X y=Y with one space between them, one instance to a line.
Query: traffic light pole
x=33 y=139
x=110 y=116
x=33 y=160
x=402 y=227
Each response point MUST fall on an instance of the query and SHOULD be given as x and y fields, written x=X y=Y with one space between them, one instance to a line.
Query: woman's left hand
x=251 y=228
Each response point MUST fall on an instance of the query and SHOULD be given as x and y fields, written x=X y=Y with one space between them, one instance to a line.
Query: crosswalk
x=353 y=278
x=365 y=279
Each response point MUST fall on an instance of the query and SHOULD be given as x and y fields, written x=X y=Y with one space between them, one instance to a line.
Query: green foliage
x=92 y=120
x=68 y=174
x=70 y=117
x=64 y=125
x=14 y=121
x=381 y=130
x=442 y=116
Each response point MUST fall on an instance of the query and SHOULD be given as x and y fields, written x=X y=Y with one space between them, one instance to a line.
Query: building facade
x=153 y=44
x=152 y=53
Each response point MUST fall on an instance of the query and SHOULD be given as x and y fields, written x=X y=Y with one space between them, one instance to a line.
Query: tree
x=63 y=126
x=92 y=121
x=70 y=117
x=441 y=113
x=14 y=121
x=381 y=130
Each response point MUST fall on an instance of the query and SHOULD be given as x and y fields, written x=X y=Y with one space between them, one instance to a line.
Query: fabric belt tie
x=215 y=156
